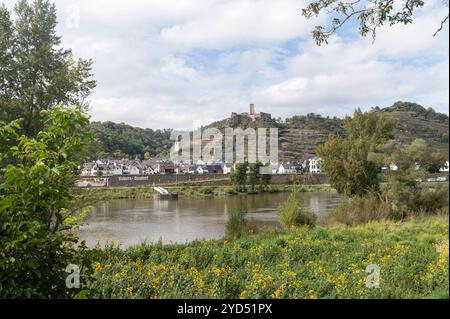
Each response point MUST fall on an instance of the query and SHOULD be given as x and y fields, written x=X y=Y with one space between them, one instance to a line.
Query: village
x=162 y=166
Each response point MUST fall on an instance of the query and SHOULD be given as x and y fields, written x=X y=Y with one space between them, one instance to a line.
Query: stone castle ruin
x=252 y=114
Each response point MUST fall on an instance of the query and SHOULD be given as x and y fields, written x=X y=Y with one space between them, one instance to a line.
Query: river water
x=127 y=222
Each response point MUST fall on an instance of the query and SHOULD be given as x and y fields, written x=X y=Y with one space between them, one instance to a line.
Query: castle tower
x=252 y=109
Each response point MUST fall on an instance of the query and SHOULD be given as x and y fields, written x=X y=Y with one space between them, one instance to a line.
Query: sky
x=175 y=64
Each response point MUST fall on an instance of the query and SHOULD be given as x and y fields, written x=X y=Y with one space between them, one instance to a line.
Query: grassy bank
x=92 y=195
x=88 y=196
x=299 y=263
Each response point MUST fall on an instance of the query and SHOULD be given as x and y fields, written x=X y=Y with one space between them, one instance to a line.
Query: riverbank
x=92 y=195
x=322 y=262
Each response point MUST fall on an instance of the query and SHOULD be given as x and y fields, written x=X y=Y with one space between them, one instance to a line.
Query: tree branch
x=441 y=26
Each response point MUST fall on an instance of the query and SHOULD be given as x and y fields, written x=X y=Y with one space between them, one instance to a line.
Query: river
x=127 y=222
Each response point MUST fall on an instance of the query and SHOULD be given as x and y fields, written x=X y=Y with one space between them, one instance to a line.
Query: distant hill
x=414 y=121
x=299 y=135
x=117 y=140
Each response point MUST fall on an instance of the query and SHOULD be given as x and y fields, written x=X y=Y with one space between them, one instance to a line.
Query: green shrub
x=292 y=214
x=230 y=191
x=359 y=210
x=407 y=198
x=36 y=217
x=237 y=224
x=206 y=191
x=433 y=200
x=274 y=189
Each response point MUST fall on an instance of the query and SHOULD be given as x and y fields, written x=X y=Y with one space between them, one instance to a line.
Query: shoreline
x=92 y=195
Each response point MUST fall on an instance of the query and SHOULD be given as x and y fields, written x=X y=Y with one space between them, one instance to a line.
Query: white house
x=117 y=170
x=274 y=167
x=314 y=165
x=131 y=170
x=286 y=168
x=86 y=169
x=200 y=162
x=202 y=169
x=393 y=167
x=148 y=170
x=191 y=169
x=444 y=168
x=98 y=169
x=227 y=168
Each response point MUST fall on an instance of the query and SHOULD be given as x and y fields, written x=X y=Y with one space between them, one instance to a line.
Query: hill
x=117 y=140
x=299 y=135
x=414 y=121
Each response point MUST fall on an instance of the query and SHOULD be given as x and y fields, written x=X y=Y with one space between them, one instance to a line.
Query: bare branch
x=441 y=26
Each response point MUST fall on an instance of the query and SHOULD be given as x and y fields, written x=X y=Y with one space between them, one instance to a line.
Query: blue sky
x=161 y=63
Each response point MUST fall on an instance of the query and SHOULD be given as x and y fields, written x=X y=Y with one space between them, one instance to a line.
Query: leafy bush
x=359 y=210
x=406 y=198
x=206 y=191
x=292 y=214
x=396 y=202
x=404 y=194
x=273 y=189
x=230 y=191
x=237 y=224
x=35 y=238
x=432 y=200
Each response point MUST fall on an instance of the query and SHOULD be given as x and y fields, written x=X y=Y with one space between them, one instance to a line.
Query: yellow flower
x=129 y=290
x=312 y=294
x=443 y=251
x=431 y=268
x=277 y=293
x=361 y=282
x=289 y=273
x=97 y=266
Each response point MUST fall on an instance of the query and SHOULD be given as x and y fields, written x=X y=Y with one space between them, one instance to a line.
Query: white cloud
x=168 y=63
x=404 y=63
x=244 y=22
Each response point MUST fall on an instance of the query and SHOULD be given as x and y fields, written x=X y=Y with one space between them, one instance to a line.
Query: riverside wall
x=205 y=179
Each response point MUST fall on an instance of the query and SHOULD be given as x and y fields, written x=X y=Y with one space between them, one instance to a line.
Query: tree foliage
x=35 y=72
x=370 y=15
x=238 y=177
x=352 y=163
x=414 y=161
x=266 y=179
x=36 y=242
x=254 y=176
x=118 y=140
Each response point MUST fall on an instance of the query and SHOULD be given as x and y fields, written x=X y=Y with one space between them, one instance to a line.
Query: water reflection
x=132 y=221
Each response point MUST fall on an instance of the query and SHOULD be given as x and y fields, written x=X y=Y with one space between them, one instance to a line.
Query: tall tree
x=254 y=177
x=35 y=72
x=352 y=163
x=266 y=178
x=238 y=177
x=370 y=15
